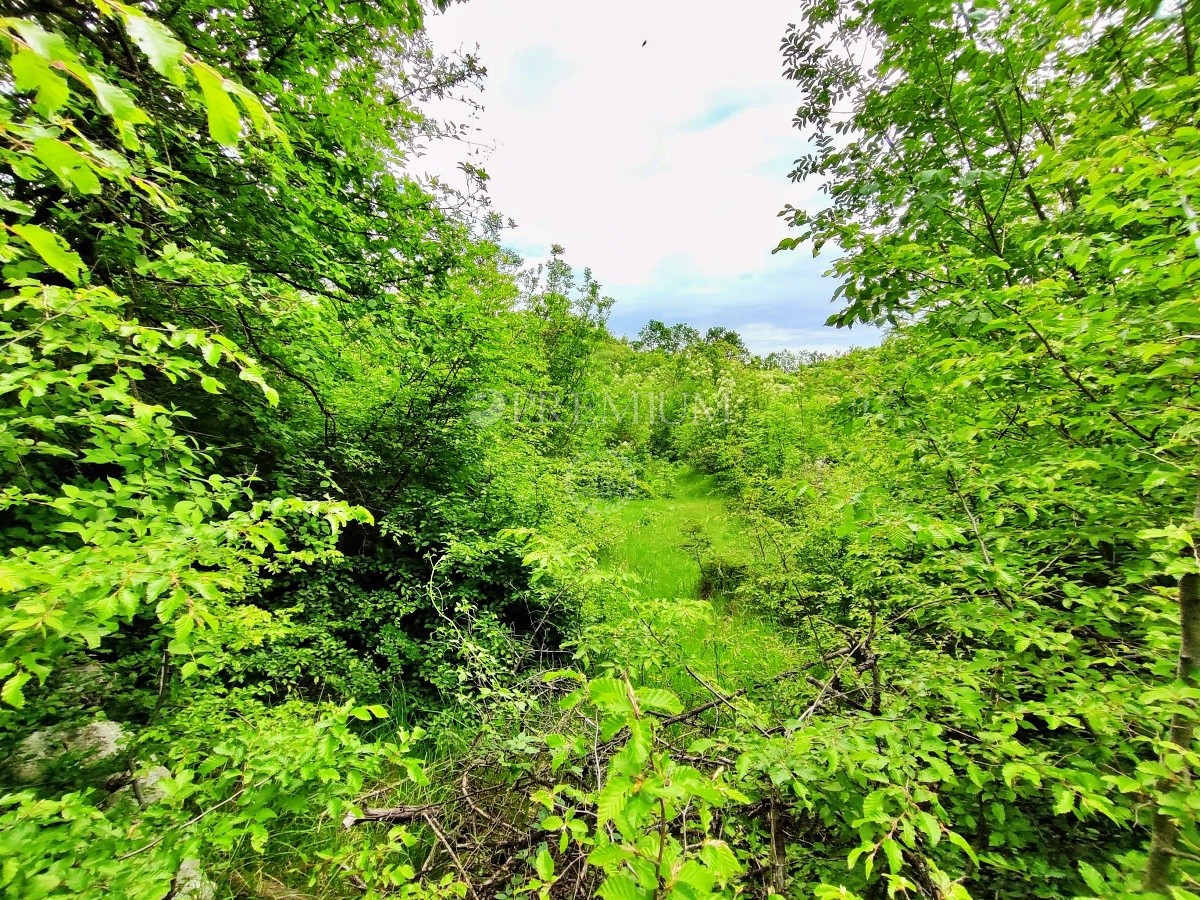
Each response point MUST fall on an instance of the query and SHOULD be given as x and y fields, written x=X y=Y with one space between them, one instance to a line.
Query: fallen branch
x=464 y=785
x=432 y=823
x=393 y=815
x=722 y=698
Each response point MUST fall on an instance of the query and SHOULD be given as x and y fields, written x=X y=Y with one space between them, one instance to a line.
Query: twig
x=432 y=823
x=721 y=698
x=192 y=821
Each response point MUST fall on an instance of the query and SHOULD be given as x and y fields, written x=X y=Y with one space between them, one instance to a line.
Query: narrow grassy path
x=654 y=534
x=658 y=541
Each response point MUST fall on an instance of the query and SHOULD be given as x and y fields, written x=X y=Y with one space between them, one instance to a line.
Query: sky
x=662 y=167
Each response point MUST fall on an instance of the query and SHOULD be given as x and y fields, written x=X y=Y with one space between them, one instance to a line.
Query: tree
x=656 y=335
x=793 y=360
x=1018 y=178
x=239 y=352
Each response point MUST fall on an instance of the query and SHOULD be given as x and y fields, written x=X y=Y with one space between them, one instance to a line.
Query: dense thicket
x=242 y=483
x=315 y=502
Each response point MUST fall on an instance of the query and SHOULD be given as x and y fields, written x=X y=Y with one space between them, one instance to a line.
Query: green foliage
x=235 y=773
x=645 y=796
x=1011 y=181
x=295 y=457
x=179 y=372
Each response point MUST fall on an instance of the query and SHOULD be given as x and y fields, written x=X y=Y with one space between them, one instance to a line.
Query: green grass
x=653 y=533
x=734 y=647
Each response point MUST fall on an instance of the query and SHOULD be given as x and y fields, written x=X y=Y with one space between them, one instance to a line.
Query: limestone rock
x=94 y=743
x=191 y=883
x=148 y=788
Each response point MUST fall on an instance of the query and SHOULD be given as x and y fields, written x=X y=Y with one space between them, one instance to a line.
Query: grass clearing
x=658 y=541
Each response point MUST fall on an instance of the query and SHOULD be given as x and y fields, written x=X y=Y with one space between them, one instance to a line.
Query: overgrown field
x=347 y=555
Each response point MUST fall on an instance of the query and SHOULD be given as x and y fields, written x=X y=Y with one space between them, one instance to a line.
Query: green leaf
x=117 y=102
x=609 y=855
x=621 y=887
x=254 y=109
x=211 y=353
x=930 y=826
x=254 y=377
x=68 y=164
x=611 y=800
x=1064 y=800
x=11 y=693
x=160 y=46
x=1093 y=878
x=894 y=854
x=961 y=843
x=610 y=694
x=875 y=806
x=543 y=863
x=48 y=44
x=697 y=877
x=659 y=699
x=31 y=72
x=720 y=859
x=53 y=249
x=224 y=121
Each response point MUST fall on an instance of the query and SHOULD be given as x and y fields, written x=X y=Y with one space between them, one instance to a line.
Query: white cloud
x=764 y=337
x=536 y=74
x=662 y=167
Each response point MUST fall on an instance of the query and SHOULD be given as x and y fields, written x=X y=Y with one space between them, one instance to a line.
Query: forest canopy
x=348 y=554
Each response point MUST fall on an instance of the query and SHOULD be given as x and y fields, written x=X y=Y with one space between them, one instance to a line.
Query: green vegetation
x=685 y=545
x=347 y=556
x=655 y=536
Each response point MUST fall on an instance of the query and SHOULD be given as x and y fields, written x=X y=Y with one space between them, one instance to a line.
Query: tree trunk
x=1164 y=829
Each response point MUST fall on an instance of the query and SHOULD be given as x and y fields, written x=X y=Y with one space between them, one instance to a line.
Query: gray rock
x=29 y=760
x=100 y=740
x=94 y=743
x=148 y=788
x=191 y=883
